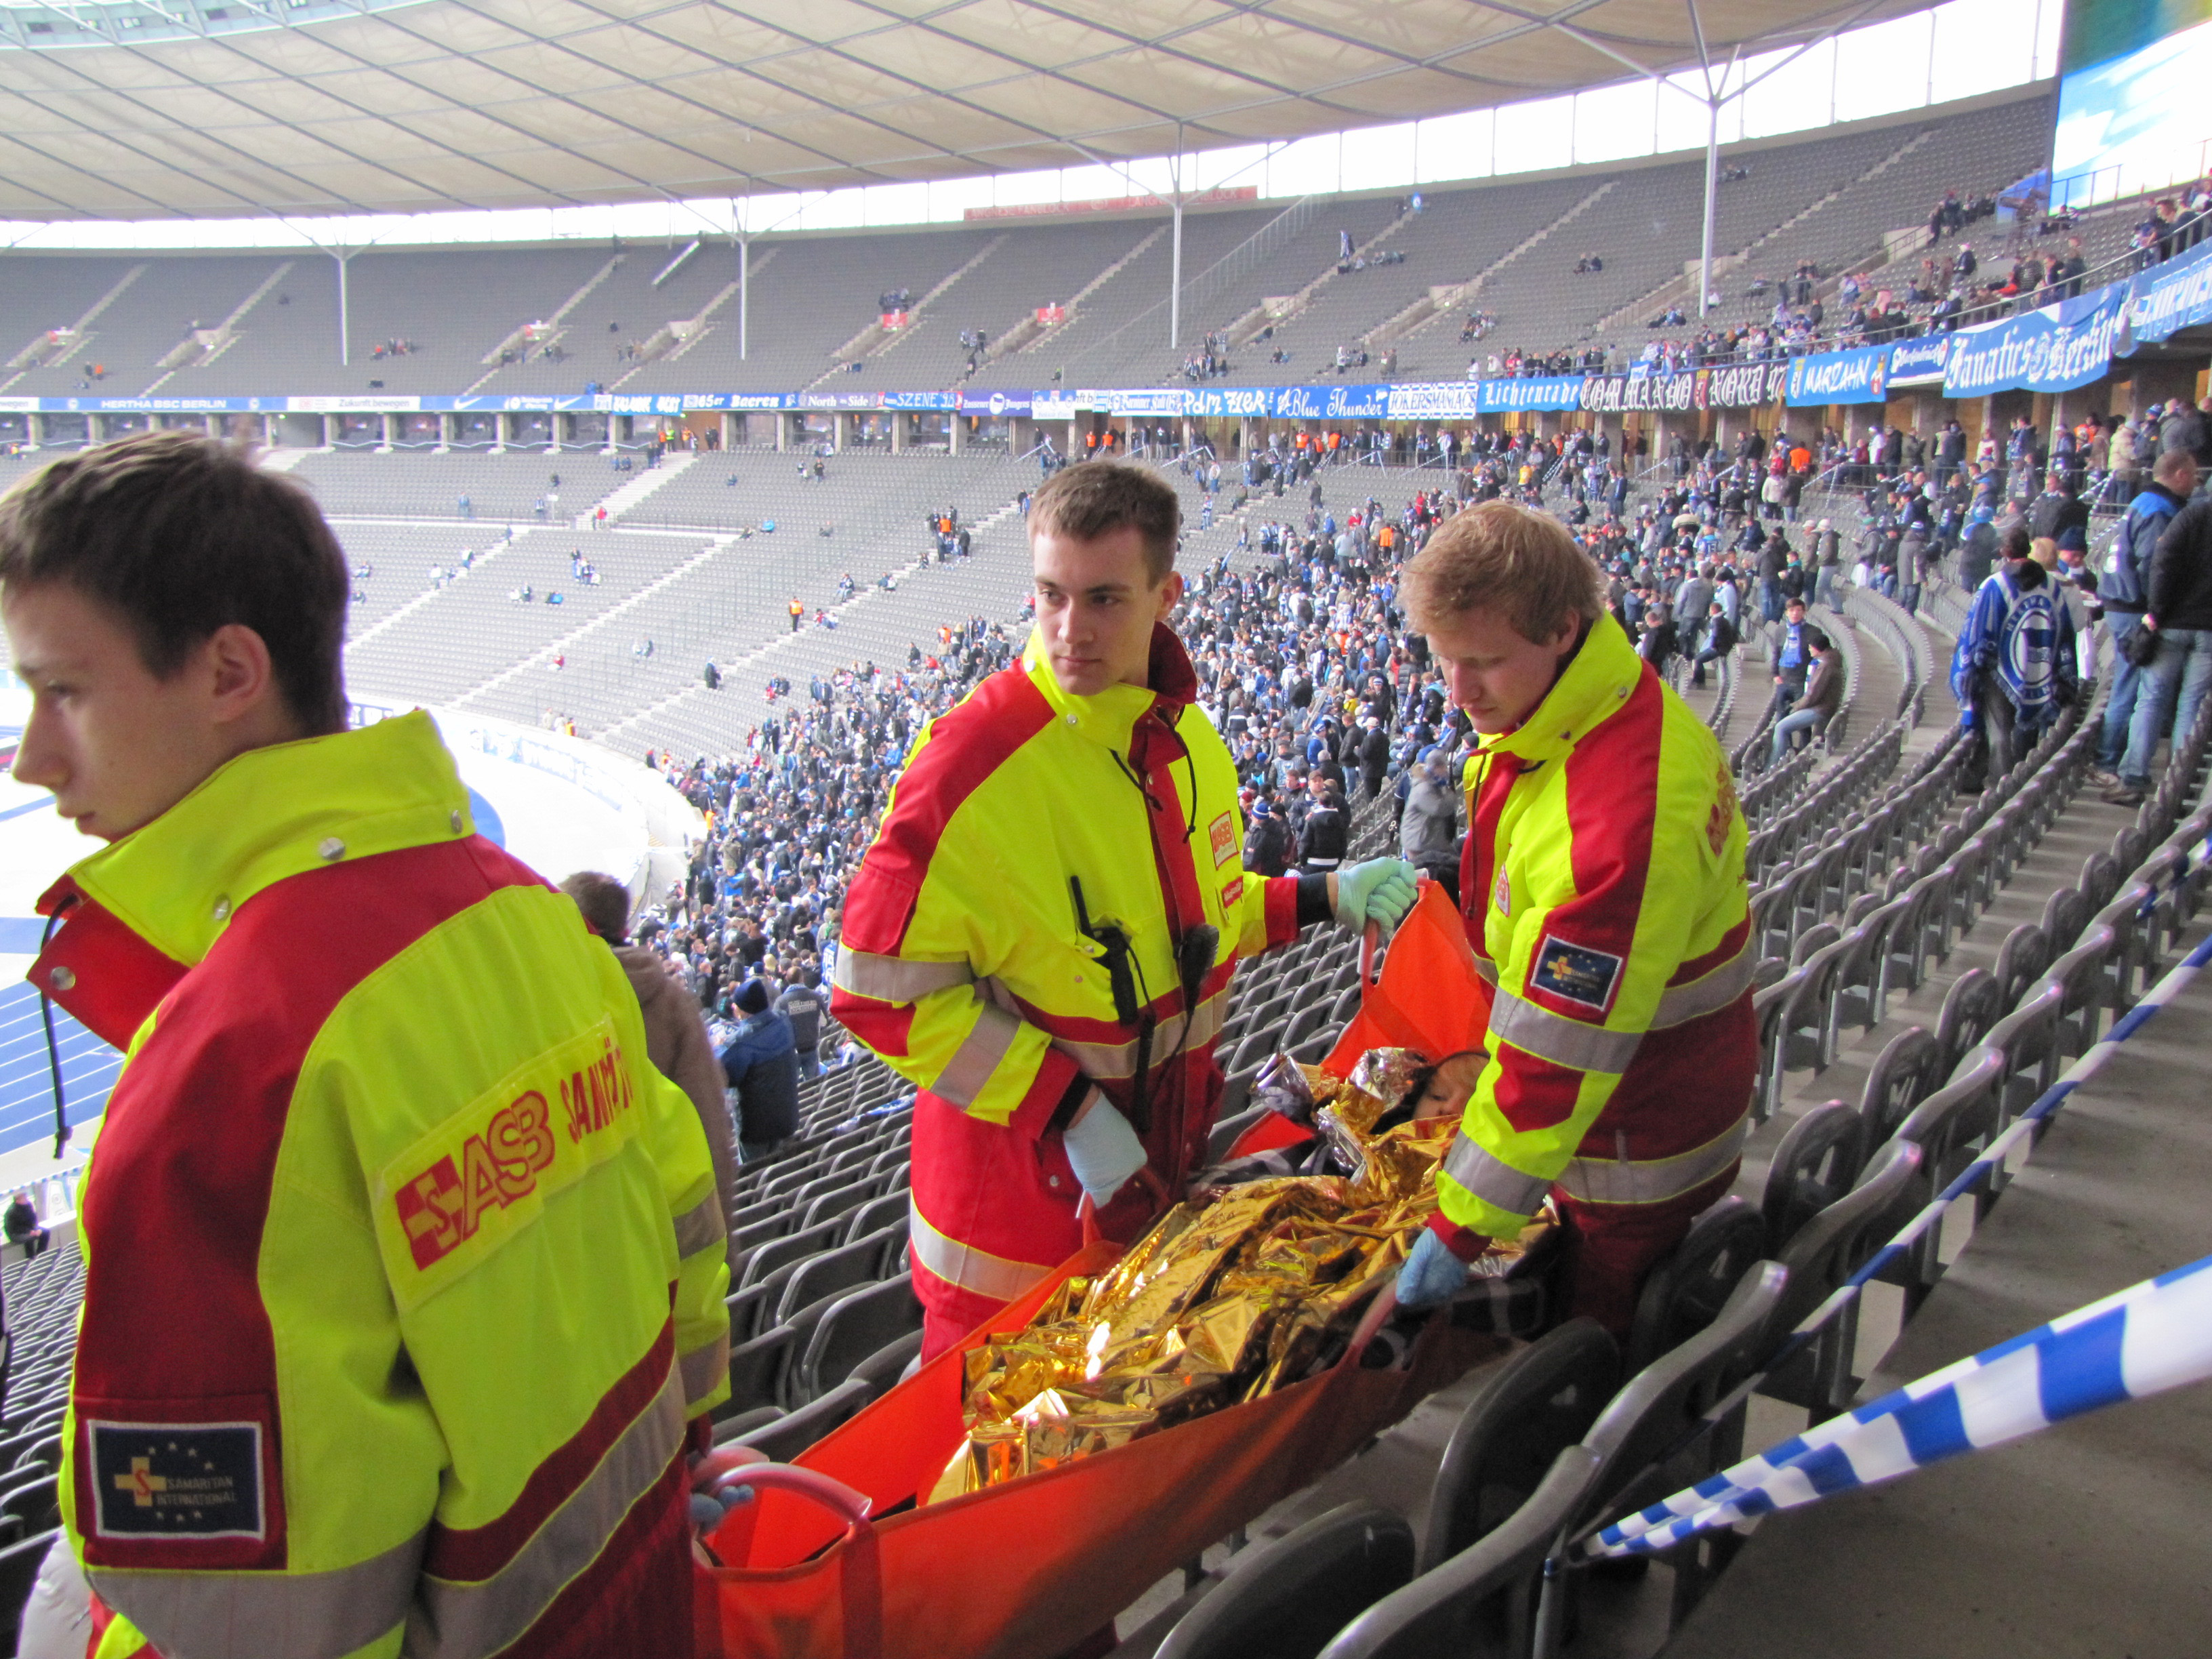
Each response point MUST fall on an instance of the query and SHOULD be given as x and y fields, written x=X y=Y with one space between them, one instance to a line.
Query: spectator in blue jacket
x=762 y=1064
x=2013 y=670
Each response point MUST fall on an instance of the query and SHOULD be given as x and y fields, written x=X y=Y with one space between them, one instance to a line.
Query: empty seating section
x=499 y=489
x=1119 y=336
x=42 y=1297
x=815 y=296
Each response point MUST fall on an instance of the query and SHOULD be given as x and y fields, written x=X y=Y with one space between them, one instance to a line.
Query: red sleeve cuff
x=1464 y=1242
x=1282 y=899
x=1034 y=1115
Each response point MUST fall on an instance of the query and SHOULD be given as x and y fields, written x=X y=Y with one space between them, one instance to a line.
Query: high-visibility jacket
x=1602 y=888
x=403 y=1265
x=963 y=962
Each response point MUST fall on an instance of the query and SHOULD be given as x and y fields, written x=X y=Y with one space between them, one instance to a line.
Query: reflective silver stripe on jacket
x=1491 y=1179
x=978 y=1056
x=704 y=1370
x=456 y=1620
x=1564 y=1041
x=1653 y=1181
x=700 y=1226
x=1679 y=1004
x=1487 y=969
x=266 y=1615
x=964 y=1264
x=1119 y=1059
x=894 y=979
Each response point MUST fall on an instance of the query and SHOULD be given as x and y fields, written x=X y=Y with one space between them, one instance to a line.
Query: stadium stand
x=1929 y=961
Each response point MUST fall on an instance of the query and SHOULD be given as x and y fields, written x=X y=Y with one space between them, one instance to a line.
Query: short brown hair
x=1096 y=498
x=604 y=903
x=1502 y=557
x=181 y=535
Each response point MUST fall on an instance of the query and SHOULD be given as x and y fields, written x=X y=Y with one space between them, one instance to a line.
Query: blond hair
x=1499 y=556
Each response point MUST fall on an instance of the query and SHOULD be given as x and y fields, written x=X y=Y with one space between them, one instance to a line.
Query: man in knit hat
x=762 y=1065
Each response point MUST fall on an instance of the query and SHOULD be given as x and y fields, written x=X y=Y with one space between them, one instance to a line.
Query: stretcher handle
x=1087 y=1211
x=852 y=1507
x=1377 y=1314
x=1370 y=941
x=861 y=1585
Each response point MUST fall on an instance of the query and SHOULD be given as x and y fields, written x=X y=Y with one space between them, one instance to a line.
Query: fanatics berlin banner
x=2054 y=350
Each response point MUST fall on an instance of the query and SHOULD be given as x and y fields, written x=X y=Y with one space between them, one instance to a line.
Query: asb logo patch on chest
x=450 y=1201
x=175 y=1480
x=1223 y=831
x=1576 y=974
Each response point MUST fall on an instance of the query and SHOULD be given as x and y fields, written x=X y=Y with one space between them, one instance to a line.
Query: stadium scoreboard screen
x=2132 y=112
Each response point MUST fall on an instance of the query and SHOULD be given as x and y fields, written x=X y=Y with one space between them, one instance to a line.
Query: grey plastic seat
x=1972 y=1004
x=1532 y=1406
x=2080 y=977
x=1947 y=1126
x=1655 y=1436
x=2022 y=960
x=1816 y=1164
x=1906 y=1072
x=1686 y=1290
x=856 y=1325
x=1287 y=1598
x=1430 y=1617
x=1832 y=1246
x=791 y=1433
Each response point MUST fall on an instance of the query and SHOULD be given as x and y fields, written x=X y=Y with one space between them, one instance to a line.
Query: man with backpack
x=2178 y=609
x=2125 y=589
x=2013 y=670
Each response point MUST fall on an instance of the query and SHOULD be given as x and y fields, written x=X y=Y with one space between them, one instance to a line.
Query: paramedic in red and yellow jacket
x=1602 y=889
x=404 y=1267
x=1043 y=934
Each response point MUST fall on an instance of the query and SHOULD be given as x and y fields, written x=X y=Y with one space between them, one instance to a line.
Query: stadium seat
x=1816 y=1164
x=859 y=1324
x=1530 y=1407
x=1288 y=1598
x=791 y=1433
x=1688 y=1287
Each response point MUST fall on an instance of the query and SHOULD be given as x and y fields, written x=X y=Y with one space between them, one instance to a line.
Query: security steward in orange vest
x=1043 y=934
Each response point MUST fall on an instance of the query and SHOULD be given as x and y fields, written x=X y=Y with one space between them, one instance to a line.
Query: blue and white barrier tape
x=1700 y=1497
x=2145 y=1339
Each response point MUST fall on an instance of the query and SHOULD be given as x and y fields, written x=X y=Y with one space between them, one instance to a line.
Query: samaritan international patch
x=1223 y=831
x=1575 y=973
x=176 y=1480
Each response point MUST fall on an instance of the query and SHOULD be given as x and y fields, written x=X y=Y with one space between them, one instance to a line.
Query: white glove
x=1380 y=890
x=1103 y=1149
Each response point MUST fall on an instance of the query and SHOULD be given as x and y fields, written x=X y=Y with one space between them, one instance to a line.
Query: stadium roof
x=139 y=109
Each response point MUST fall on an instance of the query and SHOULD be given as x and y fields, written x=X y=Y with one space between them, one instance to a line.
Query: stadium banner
x=1920 y=362
x=2054 y=350
x=921 y=400
x=1860 y=376
x=172 y=405
x=1053 y=405
x=1226 y=402
x=995 y=403
x=844 y=400
x=1149 y=400
x=2162 y=301
x=1544 y=391
x=1621 y=394
x=1367 y=401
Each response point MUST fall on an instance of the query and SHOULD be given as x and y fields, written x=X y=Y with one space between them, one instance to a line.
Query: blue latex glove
x=1103 y=1149
x=1432 y=1275
x=1380 y=890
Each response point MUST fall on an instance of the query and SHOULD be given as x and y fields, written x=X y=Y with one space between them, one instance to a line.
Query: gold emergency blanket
x=1224 y=1300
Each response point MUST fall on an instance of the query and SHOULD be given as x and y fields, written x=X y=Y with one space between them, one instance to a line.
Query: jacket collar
x=1597 y=681
x=267 y=815
x=1109 y=718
